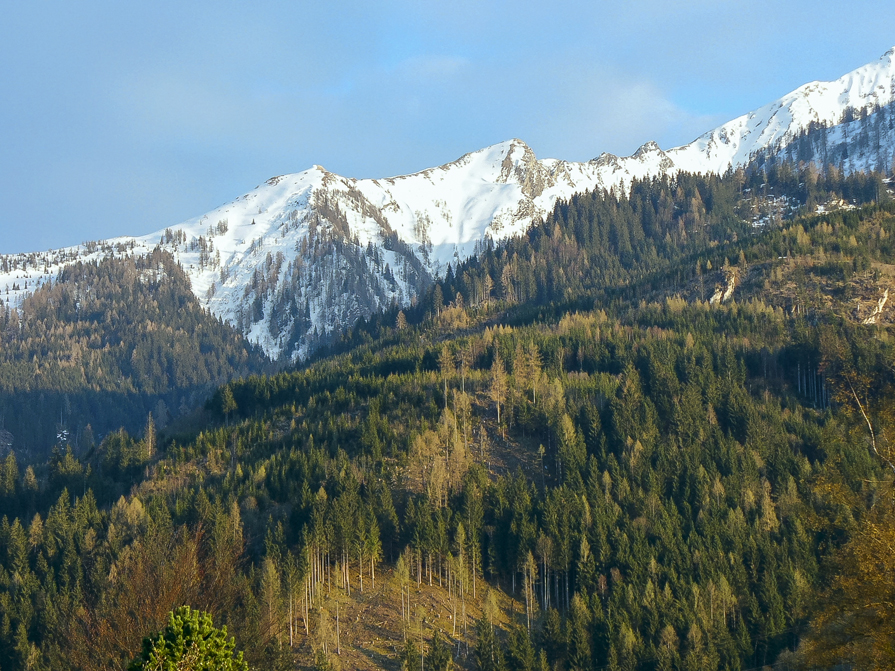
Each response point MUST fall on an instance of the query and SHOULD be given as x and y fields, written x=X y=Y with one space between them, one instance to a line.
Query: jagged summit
x=647 y=148
x=304 y=255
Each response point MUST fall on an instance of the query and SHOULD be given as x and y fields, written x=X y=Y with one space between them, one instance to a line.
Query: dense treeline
x=667 y=233
x=105 y=344
x=598 y=241
x=658 y=484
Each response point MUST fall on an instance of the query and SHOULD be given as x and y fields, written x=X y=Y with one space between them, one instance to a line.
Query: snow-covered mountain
x=302 y=256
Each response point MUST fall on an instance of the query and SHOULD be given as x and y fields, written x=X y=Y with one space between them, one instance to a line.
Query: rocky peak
x=605 y=159
x=650 y=147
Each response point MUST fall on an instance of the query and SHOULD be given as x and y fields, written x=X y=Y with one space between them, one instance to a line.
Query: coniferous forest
x=653 y=434
x=106 y=344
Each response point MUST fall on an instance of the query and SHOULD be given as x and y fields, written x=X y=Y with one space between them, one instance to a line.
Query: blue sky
x=123 y=118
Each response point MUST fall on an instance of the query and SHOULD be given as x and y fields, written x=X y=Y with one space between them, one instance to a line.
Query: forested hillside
x=665 y=235
x=104 y=345
x=579 y=452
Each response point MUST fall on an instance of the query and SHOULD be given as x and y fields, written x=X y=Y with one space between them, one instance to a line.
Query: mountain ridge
x=302 y=256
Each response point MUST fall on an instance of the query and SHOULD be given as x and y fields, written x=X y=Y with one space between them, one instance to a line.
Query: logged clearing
x=366 y=630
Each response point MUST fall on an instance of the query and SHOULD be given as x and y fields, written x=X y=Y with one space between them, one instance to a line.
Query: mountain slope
x=301 y=257
x=773 y=126
x=657 y=478
x=104 y=345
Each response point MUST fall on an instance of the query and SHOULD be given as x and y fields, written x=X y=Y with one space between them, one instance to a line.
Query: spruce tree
x=189 y=641
x=439 y=657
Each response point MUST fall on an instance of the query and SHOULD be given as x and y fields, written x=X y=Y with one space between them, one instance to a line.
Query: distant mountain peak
x=605 y=158
x=650 y=147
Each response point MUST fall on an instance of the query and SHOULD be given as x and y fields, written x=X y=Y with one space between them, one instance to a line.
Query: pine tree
x=521 y=655
x=579 y=638
x=439 y=657
x=498 y=389
x=226 y=402
x=148 y=445
x=488 y=653
x=446 y=365
x=410 y=656
x=437 y=299
x=9 y=475
x=189 y=641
